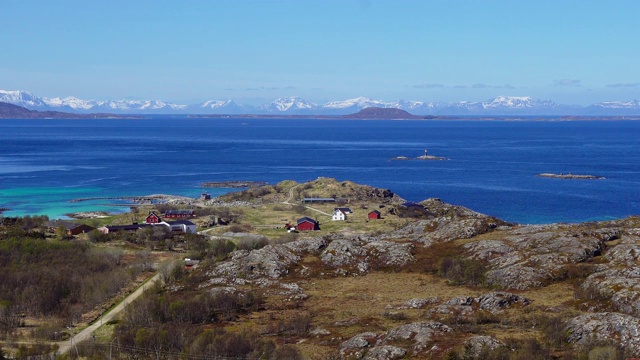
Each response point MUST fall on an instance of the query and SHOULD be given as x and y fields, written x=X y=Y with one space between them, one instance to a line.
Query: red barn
x=152 y=218
x=375 y=214
x=307 y=224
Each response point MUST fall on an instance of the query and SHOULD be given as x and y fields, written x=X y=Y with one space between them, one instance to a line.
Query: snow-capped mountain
x=292 y=105
x=633 y=104
x=501 y=105
x=21 y=98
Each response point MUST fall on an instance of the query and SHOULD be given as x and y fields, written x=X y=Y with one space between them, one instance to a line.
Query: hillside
x=10 y=111
x=426 y=280
x=376 y=113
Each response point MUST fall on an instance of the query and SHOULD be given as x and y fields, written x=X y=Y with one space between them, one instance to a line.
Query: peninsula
x=324 y=269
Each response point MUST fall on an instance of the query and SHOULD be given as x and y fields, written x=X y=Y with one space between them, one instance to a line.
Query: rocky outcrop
x=419 y=335
x=494 y=302
x=476 y=344
x=610 y=327
x=531 y=256
x=358 y=256
x=447 y=222
x=271 y=261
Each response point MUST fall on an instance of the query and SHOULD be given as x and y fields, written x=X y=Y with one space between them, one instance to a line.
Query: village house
x=340 y=213
x=374 y=215
x=71 y=227
x=307 y=224
x=152 y=218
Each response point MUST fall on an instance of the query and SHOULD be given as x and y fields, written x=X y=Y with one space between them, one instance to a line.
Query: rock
x=421 y=333
x=494 y=302
x=385 y=352
x=358 y=342
x=477 y=343
x=359 y=255
x=613 y=327
x=531 y=256
x=418 y=303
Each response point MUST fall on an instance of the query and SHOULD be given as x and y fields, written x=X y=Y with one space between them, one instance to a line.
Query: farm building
x=307 y=224
x=179 y=214
x=373 y=215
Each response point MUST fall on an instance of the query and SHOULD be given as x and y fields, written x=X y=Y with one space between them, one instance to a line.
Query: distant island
x=10 y=111
x=571 y=176
x=426 y=156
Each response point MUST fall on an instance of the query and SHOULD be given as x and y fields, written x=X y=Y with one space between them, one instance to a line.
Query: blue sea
x=491 y=166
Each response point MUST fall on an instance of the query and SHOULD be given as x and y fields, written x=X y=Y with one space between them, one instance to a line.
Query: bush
x=252 y=243
x=463 y=271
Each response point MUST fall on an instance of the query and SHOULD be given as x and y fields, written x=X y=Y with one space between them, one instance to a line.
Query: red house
x=375 y=214
x=152 y=218
x=307 y=224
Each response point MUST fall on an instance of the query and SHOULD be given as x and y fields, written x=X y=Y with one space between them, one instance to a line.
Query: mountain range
x=501 y=105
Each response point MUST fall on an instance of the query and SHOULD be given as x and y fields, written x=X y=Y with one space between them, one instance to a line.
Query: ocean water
x=492 y=165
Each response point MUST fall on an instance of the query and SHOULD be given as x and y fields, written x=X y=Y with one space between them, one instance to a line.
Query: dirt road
x=66 y=346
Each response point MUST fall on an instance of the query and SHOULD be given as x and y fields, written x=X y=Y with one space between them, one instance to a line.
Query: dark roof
x=344 y=210
x=178 y=212
x=180 y=222
x=153 y=213
x=412 y=204
x=306 y=219
x=66 y=224
x=375 y=212
x=127 y=227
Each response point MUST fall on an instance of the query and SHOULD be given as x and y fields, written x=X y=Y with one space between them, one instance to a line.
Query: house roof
x=180 y=222
x=318 y=199
x=374 y=212
x=66 y=224
x=344 y=210
x=178 y=212
x=126 y=227
x=306 y=219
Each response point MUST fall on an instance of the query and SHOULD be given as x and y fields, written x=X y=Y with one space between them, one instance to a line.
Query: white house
x=340 y=214
x=184 y=226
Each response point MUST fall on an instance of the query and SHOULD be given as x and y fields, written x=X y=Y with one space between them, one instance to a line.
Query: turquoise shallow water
x=492 y=165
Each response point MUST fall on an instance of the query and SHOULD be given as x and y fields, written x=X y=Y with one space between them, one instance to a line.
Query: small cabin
x=374 y=215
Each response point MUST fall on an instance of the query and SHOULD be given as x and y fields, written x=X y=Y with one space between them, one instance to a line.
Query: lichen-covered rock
x=385 y=352
x=420 y=333
x=532 y=256
x=497 y=301
x=358 y=342
x=418 y=303
x=448 y=222
x=360 y=255
x=614 y=327
x=477 y=343
x=493 y=302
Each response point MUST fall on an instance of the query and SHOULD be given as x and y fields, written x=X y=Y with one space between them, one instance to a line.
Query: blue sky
x=253 y=51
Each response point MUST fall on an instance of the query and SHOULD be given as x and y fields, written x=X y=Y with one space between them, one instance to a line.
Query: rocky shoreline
x=571 y=176
x=233 y=184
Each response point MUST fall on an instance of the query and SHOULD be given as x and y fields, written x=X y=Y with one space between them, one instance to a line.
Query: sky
x=254 y=51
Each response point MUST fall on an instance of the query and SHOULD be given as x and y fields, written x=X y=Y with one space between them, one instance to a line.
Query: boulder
x=611 y=327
